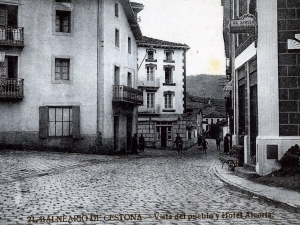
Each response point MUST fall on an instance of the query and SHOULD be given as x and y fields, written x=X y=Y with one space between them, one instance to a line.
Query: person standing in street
x=199 y=141
x=226 y=144
x=134 y=144
x=218 y=142
x=142 y=143
x=177 y=142
x=204 y=145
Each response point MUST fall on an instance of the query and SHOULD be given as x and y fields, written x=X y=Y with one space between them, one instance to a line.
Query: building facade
x=162 y=75
x=68 y=74
x=265 y=70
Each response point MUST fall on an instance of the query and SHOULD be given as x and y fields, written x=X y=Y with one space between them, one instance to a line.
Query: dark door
x=116 y=132
x=163 y=137
x=129 y=133
x=12 y=67
x=253 y=120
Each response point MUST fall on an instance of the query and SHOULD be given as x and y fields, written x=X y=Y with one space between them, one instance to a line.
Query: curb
x=256 y=193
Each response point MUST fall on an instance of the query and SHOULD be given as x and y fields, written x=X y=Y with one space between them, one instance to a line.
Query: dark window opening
x=63 y=21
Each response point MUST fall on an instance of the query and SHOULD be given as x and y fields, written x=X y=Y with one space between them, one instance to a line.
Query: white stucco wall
x=114 y=56
x=35 y=66
x=160 y=73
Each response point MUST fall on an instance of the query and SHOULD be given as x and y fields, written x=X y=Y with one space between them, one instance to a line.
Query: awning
x=228 y=86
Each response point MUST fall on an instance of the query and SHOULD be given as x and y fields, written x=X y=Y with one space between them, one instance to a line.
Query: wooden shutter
x=76 y=121
x=43 y=122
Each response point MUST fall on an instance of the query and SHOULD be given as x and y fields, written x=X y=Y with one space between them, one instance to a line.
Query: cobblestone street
x=154 y=187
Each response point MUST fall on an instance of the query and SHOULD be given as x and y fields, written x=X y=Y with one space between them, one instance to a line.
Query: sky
x=197 y=23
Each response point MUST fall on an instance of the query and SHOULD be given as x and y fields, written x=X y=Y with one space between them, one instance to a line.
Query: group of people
x=137 y=144
x=202 y=143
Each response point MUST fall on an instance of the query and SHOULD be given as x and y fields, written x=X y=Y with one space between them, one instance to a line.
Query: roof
x=131 y=17
x=214 y=114
x=147 y=42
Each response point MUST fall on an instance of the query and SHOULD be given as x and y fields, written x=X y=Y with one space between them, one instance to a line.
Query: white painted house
x=68 y=73
x=162 y=74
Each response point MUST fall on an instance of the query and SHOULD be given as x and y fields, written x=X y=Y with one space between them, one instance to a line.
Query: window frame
x=62 y=6
x=56 y=121
x=150 y=70
x=168 y=101
x=44 y=121
x=150 y=100
x=129 y=45
x=116 y=9
x=117 y=38
x=53 y=77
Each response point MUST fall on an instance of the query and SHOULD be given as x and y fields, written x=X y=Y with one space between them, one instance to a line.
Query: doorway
x=129 y=133
x=163 y=137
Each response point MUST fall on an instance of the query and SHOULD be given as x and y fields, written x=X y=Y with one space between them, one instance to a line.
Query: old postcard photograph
x=144 y=112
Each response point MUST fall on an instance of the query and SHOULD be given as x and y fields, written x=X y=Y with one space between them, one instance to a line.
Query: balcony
x=144 y=110
x=12 y=36
x=11 y=88
x=126 y=94
x=147 y=84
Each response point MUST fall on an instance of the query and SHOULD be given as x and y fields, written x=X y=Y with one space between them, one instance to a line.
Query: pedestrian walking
x=178 y=142
x=204 y=145
x=134 y=144
x=142 y=143
x=218 y=142
x=226 y=144
x=199 y=141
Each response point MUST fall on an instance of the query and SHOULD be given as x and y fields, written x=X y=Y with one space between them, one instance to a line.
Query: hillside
x=206 y=86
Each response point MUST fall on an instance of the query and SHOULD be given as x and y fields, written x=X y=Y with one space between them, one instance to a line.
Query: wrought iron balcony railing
x=11 y=88
x=12 y=36
x=145 y=110
x=123 y=93
x=144 y=83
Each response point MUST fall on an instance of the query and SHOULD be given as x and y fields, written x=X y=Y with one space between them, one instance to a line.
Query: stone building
x=68 y=74
x=265 y=85
x=162 y=77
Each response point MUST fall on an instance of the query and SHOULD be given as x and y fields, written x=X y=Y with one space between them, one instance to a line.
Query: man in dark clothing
x=199 y=141
x=226 y=144
x=134 y=144
x=178 y=141
x=218 y=142
x=142 y=143
x=204 y=145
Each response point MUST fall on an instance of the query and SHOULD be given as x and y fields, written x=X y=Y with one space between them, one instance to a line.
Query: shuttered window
x=60 y=121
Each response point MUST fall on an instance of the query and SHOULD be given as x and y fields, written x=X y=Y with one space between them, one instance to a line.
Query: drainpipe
x=100 y=68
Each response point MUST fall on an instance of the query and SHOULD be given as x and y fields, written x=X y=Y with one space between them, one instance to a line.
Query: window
x=63 y=21
x=129 y=80
x=169 y=131
x=168 y=101
x=117 y=75
x=150 y=73
x=150 y=100
x=116 y=10
x=150 y=54
x=62 y=69
x=9 y=67
x=212 y=121
x=59 y=121
x=117 y=38
x=168 y=55
x=168 y=75
x=129 y=45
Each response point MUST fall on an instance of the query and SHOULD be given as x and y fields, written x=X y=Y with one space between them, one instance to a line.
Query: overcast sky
x=197 y=23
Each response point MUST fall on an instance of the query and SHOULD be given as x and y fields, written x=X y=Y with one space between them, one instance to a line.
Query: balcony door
x=9 y=67
x=8 y=15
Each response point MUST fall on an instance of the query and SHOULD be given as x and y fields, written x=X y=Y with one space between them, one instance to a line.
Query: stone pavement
x=154 y=187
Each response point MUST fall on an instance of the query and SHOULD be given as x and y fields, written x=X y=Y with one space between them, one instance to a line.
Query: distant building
x=68 y=74
x=162 y=72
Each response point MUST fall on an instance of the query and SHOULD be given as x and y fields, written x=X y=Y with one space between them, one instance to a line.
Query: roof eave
x=132 y=20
